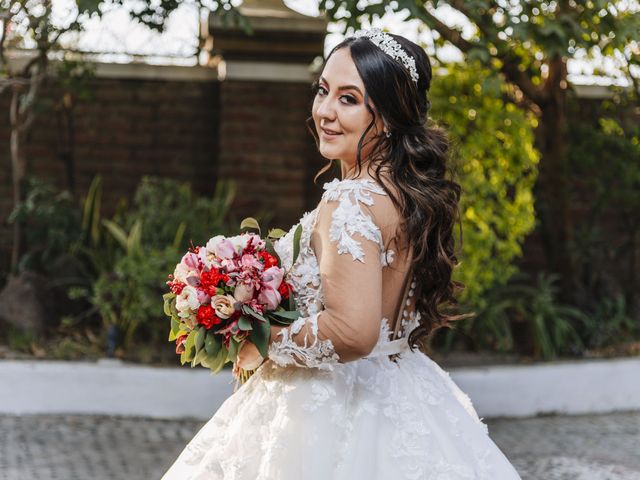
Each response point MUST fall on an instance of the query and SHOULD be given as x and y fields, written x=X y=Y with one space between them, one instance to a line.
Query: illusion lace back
x=342 y=396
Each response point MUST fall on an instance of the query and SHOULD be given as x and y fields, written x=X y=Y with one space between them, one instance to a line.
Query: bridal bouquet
x=225 y=293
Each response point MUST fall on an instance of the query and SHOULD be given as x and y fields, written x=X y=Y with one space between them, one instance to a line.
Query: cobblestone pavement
x=63 y=447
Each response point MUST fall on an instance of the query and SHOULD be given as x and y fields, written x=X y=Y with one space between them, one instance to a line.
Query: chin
x=328 y=152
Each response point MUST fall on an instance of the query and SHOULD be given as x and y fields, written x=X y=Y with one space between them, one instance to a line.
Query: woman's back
x=358 y=199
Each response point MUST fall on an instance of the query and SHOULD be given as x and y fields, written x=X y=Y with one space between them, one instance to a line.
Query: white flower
x=187 y=301
x=241 y=241
x=213 y=241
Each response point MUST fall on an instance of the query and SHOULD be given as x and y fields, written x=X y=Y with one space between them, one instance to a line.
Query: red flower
x=207 y=317
x=210 y=280
x=284 y=290
x=269 y=260
x=175 y=286
x=250 y=248
x=180 y=341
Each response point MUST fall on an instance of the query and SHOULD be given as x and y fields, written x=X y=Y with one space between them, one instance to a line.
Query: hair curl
x=416 y=157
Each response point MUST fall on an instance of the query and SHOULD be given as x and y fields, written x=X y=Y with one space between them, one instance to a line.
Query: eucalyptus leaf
x=191 y=340
x=286 y=314
x=259 y=336
x=250 y=223
x=199 y=340
x=296 y=242
x=217 y=362
x=250 y=311
x=233 y=350
x=276 y=233
x=244 y=323
x=200 y=356
x=212 y=344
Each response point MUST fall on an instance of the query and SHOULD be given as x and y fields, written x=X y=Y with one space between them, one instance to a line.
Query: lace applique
x=318 y=353
x=304 y=275
x=348 y=218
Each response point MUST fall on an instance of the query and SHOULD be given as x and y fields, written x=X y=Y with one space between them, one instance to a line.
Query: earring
x=388 y=134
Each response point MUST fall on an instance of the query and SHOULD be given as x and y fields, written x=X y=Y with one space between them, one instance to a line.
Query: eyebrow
x=343 y=87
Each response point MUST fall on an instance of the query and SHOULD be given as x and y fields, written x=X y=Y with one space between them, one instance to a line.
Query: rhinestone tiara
x=388 y=45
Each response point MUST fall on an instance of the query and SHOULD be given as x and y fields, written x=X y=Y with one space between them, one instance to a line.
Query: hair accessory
x=388 y=45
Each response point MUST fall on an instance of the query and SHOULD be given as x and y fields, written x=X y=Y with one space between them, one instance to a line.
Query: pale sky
x=118 y=38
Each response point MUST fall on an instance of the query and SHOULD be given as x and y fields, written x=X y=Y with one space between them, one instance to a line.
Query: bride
x=345 y=393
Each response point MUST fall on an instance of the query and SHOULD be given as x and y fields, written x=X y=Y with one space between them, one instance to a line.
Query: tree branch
x=504 y=53
x=448 y=33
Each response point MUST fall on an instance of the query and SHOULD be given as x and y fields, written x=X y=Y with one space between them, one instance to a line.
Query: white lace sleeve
x=341 y=316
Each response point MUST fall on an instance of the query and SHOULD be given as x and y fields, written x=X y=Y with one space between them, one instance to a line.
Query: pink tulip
x=250 y=261
x=272 y=277
x=243 y=292
x=203 y=297
x=270 y=296
x=225 y=249
x=190 y=259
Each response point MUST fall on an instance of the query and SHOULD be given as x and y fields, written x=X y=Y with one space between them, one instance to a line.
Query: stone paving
x=66 y=447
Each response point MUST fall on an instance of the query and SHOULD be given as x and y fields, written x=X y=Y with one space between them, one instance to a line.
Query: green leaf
x=191 y=340
x=271 y=250
x=177 y=240
x=244 y=323
x=134 y=240
x=287 y=314
x=216 y=362
x=276 y=233
x=200 y=356
x=259 y=336
x=250 y=311
x=250 y=223
x=170 y=309
x=175 y=330
x=296 y=242
x=212 y=344
x=117 y=232
x=233 y=350
x=200 y=336
x=183 y=358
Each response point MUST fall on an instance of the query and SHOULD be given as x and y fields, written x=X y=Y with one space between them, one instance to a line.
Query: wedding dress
x=342 y=397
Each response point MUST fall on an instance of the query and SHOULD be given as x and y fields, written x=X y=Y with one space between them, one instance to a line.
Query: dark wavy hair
x=416 y=158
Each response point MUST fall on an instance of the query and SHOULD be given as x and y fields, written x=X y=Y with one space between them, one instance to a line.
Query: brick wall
x=266 y=148
x=251 y=131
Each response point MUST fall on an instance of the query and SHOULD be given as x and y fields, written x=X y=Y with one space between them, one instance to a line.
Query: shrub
x=497 y=167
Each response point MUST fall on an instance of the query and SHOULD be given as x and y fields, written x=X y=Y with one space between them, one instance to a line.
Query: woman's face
x=339 y=111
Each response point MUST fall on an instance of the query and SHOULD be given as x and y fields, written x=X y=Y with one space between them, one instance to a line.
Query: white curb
x=113 y=388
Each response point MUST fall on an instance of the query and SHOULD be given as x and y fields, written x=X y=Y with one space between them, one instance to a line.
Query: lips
x=330 y=133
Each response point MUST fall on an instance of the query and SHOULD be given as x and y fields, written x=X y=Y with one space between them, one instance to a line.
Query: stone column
x=265 y=99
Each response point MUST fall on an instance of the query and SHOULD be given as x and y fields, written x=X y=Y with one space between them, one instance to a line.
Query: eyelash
x=351 y=100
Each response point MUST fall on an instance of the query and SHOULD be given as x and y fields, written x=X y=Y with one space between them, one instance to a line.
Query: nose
x=325 y=109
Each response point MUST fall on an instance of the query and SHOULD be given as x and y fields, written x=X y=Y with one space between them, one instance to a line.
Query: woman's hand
x=249 y=357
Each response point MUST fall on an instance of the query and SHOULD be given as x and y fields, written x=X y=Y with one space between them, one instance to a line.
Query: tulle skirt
x=371 y=419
